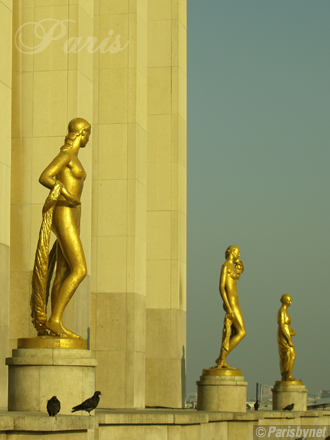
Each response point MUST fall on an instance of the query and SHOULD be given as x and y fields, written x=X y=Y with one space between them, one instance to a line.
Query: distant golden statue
x=65 y=177
x=284 y=339
x=233 y=328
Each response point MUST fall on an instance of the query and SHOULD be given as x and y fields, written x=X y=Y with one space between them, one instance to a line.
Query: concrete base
x=221 y=393
x=285 y=393
x=35 y=375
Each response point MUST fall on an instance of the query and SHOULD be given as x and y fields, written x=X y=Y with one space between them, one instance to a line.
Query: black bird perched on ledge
x=53 y=406
x=289 y=407
x=89 y=404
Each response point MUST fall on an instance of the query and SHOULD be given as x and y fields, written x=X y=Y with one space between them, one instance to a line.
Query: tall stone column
x=166 y=204
x=50 y=87
x=119 y=202
x=134 y=214
x=5 y=168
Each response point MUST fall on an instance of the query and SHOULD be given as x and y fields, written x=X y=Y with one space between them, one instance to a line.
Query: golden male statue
x=284 y=339
x=65 y=177
x=233 y=329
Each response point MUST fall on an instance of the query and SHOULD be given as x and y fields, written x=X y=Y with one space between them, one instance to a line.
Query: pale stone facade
x=132 y=304
x=166 y=203
x=5 y=172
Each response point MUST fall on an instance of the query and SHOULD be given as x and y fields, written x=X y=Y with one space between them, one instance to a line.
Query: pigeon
x=89 y=404
x=53 y=406
x=256 y=405
x=289 y=407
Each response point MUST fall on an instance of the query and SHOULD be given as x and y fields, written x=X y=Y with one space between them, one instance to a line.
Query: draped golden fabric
x=285 y=352
x=226 y=333
x=43 y=265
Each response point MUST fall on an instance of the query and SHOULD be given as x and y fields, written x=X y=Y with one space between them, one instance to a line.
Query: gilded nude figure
x=64 y=176
x=234 y=329
x=284 y=338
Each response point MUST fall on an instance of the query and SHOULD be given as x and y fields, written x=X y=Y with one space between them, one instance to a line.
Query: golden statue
x=233 y=328
x=284 y=339
x=65 y=177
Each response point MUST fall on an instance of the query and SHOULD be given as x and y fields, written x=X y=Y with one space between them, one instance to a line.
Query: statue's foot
x=58 y=329
x=291 y=379
x=224 y=364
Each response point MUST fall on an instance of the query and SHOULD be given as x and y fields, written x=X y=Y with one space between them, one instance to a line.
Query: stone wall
x=166 y=204
x=119 y=204
x=5 y=176
x=50 y=88
x=122 y=66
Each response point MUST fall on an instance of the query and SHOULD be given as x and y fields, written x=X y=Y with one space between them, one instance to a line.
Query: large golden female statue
x=284 y=339
x=233 y=329
x=65 y=177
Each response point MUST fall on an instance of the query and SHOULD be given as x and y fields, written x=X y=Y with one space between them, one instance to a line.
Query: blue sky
x=258 y=178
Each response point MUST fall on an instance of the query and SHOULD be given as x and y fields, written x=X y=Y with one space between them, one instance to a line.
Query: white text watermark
x=301 y=432
x=57 y=31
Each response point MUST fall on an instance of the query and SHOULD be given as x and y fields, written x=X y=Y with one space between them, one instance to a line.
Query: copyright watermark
x=48 y=30
x=295 y=432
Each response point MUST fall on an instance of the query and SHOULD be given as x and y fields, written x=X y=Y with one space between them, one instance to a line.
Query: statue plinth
x=214 y=371
x=221 y=389
x=287 y=392
x=38 y=374
x=52 y=342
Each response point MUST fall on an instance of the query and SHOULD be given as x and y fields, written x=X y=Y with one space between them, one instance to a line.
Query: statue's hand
x=230 y=313
x=239 y=266
x=71 y=198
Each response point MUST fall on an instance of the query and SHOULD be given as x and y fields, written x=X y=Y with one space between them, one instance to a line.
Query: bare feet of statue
x=286 y=378
x=225 y=365
x=57 y=329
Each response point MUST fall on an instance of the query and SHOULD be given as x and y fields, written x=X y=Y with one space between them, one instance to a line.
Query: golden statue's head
x=77 y=127
x=286 y=299
x=234 y=250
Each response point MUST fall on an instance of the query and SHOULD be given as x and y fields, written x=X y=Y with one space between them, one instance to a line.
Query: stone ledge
x=151 y=417
x=230 y=416
x=51 y=356
x=259 y=416
x=51 y=352
x=280 y=414
x=33 y=421
x=30 y=361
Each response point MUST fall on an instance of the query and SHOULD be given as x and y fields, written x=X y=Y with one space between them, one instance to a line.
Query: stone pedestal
x=37 y=374
x=221 y=390
x=285 y=393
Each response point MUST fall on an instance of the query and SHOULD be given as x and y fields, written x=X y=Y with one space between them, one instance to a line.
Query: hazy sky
x=258 y=178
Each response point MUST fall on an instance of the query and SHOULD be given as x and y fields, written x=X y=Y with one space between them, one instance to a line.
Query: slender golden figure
x=65 y=177
x=284 y=339
x=233 y=329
